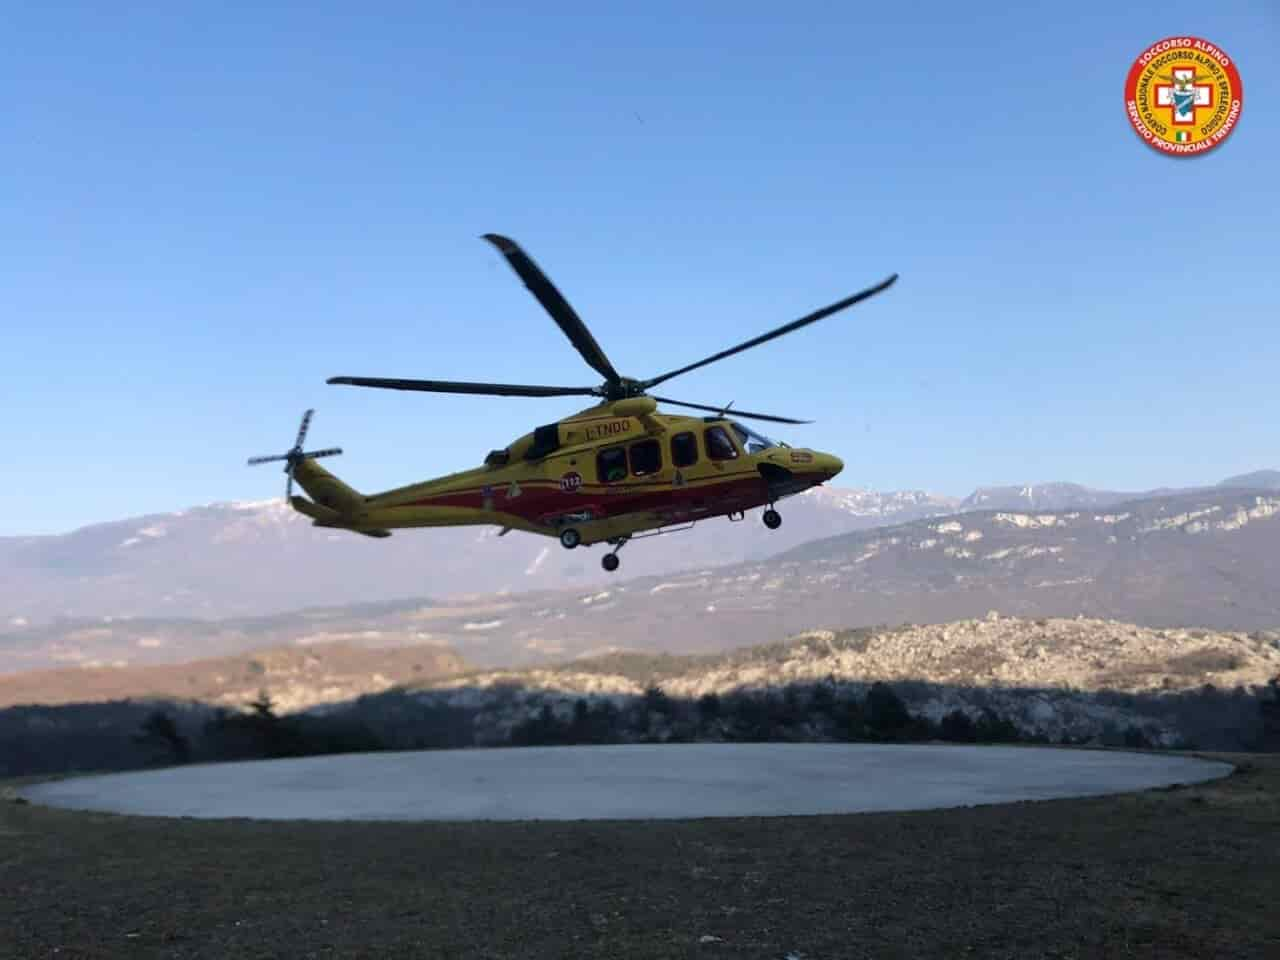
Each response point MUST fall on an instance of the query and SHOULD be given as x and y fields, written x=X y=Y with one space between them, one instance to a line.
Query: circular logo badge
x=1183 y=95
x=571 y=481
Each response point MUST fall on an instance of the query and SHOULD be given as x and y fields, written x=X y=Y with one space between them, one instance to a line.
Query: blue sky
x=208 y=213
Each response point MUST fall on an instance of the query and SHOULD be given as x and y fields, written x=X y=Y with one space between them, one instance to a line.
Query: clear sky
x=206 y=214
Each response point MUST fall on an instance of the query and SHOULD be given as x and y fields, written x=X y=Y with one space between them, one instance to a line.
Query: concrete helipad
x=623 y=782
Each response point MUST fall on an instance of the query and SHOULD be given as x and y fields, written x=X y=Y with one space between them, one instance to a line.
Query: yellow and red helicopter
x=613 y=472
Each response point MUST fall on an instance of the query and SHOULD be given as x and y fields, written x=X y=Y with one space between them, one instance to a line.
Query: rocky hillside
x=1056 y=678
x=1072 y=654
x=296 y=678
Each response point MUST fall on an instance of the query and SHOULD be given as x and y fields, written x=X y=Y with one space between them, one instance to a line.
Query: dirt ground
x=1186 y=872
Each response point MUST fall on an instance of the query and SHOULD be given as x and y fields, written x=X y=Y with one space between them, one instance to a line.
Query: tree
x=259 y=733
x=580 y=730
x=277 y=738
x=442 y=726
x=887 y=715
x=958 y=727
x=749 y=718
x=1135 y=738
x=788 y=711
x=1269 y=705
x=709 y=708
x=656 y=700
x=993 y=728
x=606 y=722
x=849 y=719
x=159 y=731
x=539 y=730
x=263 y=709
x=822 y=700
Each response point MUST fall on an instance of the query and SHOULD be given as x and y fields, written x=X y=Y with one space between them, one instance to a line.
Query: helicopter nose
x=829 y=464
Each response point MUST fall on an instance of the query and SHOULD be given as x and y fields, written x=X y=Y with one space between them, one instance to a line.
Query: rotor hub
x=622 y=389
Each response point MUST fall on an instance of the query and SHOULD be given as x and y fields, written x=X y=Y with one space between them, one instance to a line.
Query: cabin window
x=545 y=440
x=646 y=458
x=719 y=446
x=611 y=464
x=684 y=450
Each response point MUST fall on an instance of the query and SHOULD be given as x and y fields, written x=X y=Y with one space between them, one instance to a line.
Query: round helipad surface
x=623 y=782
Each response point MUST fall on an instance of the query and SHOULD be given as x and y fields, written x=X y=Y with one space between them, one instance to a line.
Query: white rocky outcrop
x=1044 y=673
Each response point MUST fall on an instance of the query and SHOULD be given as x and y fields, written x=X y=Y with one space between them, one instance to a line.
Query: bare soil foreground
x=1177 y=872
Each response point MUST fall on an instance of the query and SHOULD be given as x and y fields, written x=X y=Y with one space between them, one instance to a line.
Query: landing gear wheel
x=772 y=519
x=610 y=562
x=570 y=538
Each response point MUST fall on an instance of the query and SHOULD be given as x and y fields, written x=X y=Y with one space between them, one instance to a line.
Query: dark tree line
x=122 y=736
x=790 y=715
x=262 y=734
x=127 y=736
x=159 y=734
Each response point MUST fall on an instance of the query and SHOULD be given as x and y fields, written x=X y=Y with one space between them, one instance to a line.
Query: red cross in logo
x=1182 y=97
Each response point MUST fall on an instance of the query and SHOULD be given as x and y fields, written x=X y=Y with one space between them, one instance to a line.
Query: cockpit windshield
x=751 y=441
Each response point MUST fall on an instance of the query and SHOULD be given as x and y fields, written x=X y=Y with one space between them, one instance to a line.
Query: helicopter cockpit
x=751 y=441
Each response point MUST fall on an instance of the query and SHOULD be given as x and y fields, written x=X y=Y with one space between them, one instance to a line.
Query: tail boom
x=334 y=501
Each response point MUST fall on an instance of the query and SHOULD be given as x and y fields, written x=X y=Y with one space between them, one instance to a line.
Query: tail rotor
x=296 y=455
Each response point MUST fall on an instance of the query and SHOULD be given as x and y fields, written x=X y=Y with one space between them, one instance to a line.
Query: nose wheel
x=610 y=560
x=570 y=538
x=772 y=519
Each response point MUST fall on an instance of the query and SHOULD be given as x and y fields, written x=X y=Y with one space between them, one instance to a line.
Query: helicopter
x=616 y=471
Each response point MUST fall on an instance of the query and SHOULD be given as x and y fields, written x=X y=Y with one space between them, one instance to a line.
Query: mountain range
x=259 y=558
x=1064 y=496
x=1207 y=559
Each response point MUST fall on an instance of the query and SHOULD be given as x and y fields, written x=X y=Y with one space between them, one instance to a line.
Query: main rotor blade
x=564 y=315
x=786 y=328
x=453 y=386
x=736 y=411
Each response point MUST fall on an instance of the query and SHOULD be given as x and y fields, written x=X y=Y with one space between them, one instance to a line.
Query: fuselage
x=609 y=472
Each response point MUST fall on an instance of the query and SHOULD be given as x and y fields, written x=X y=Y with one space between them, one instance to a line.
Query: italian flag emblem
x=1182 y=136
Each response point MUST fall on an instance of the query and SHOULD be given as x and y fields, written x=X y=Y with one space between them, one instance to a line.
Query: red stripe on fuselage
x=540 y=498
